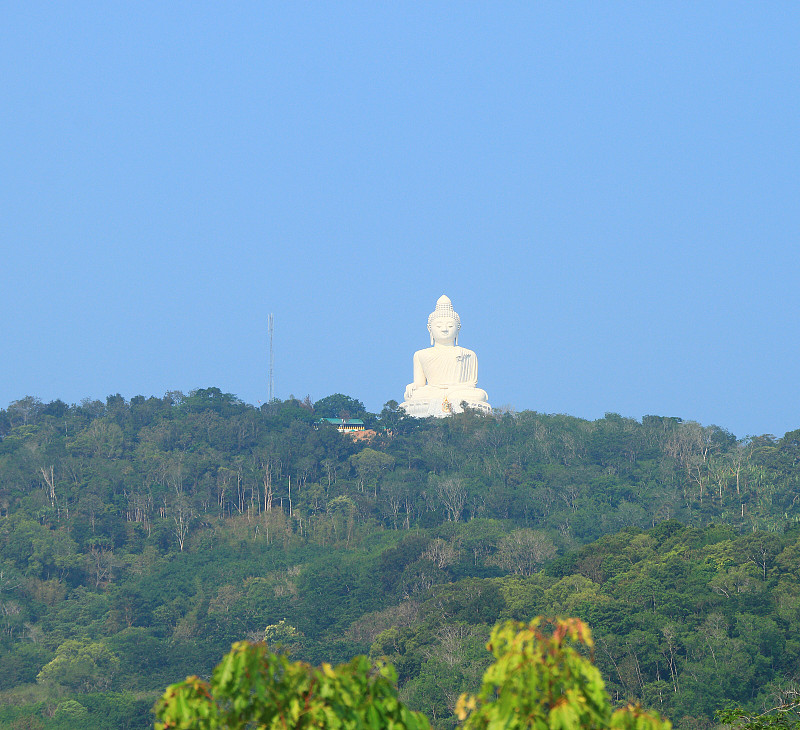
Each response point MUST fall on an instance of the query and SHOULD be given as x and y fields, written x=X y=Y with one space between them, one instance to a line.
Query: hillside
x=139 y=538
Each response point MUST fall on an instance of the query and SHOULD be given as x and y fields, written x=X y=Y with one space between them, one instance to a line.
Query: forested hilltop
x=139 y=539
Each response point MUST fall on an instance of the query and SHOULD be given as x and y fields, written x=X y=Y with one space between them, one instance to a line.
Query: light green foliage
x=81 y=665
x=71 y=711
x=540 y=679
x=282 y=636
x=253 y=687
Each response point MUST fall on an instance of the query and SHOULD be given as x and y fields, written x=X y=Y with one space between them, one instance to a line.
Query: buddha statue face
x=444 y=323
x=444 y=330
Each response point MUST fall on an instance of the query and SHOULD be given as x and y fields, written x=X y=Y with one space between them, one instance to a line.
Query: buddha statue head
x=444 y=322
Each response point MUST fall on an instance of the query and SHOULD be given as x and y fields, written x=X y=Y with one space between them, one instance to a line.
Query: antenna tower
x=271 y=328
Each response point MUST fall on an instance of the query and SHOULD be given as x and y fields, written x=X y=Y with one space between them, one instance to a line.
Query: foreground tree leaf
x=540 y=679
x=254 y=687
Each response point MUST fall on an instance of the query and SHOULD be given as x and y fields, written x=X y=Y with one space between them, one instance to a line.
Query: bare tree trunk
x=453 y=496
x=49 y=479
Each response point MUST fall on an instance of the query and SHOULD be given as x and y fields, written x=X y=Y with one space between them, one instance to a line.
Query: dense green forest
x=139 y=539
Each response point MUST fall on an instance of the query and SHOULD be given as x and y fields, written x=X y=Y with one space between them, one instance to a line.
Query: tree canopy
x=139 y=539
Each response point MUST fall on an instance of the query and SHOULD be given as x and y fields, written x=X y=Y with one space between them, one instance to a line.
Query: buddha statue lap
x=445 y=374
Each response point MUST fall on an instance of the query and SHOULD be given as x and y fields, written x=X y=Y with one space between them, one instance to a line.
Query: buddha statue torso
x=445 y=374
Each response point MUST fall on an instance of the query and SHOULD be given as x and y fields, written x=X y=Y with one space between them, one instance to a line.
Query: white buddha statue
x=445 y=374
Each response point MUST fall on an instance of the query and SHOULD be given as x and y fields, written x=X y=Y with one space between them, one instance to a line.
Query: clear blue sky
x=609 y=192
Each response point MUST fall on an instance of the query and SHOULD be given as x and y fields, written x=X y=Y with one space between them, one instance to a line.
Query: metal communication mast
x=271 y=327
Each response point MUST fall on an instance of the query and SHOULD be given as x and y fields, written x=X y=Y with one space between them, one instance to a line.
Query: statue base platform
x=439 y=407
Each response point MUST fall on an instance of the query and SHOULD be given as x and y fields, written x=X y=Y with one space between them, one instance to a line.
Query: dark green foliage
x=22 y=663
x=783 y=717
x=339 y=406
